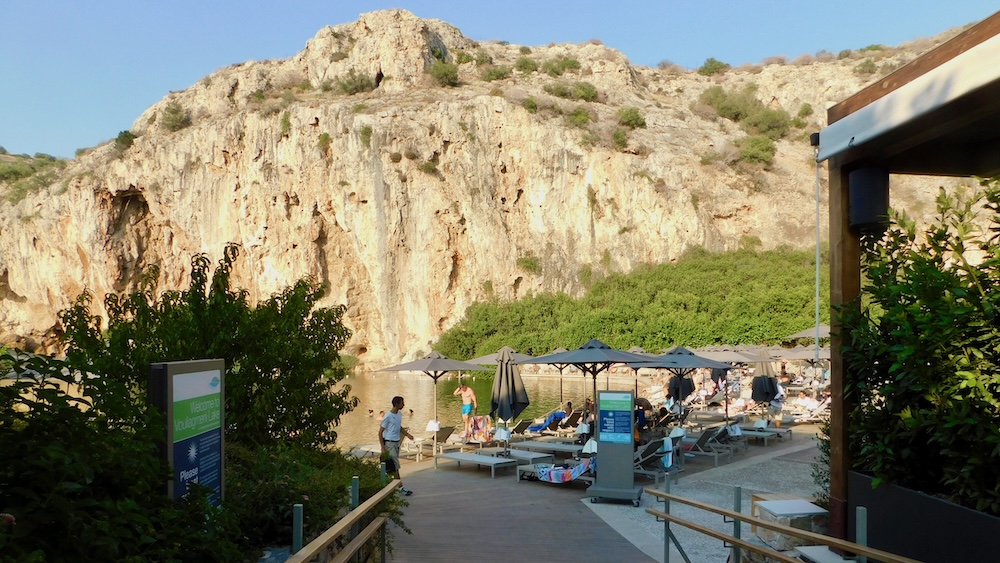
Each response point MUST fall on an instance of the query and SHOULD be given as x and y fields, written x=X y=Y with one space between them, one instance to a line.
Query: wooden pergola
x=938 y=115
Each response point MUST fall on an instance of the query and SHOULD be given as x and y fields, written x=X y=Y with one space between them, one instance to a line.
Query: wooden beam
x=930 y=60
x=845 y=289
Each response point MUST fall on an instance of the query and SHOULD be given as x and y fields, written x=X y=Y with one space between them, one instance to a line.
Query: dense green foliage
x=705 y=298
x=366 y=135
x=22 y=174
x=631 y=118
x=573 y=91
x=123 y=142
x=530 y=104
x=923 y=365
x=175 y=117
x=527 y=65
x=619 y=138
x=355 y=82
x=579 y=117
x=85 y=483
x=556 y=67
x=86 y=486
x=496 y=73
x=446 y=74
x=461 y=57
x=713 y=66
x=744 y=108
x=757 y=148
x=278 y=353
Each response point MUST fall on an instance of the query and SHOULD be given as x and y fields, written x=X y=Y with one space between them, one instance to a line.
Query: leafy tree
x=922 y=364
x=280 y=355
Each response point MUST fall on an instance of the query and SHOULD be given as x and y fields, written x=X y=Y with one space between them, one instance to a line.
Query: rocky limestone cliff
x=413 y=200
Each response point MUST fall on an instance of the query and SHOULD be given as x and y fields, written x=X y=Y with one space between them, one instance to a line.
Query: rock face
x=412 y=200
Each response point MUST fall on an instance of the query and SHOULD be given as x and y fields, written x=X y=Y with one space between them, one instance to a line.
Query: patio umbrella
x=434 y=365
x=591 y=358
x=494 y=358
x=680 y=361
x=561 y=367
x=509 y=397
x=808 y=353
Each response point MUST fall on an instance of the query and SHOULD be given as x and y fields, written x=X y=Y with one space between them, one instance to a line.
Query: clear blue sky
x=76 y=73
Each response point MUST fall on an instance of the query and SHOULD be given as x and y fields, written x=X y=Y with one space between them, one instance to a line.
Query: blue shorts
x=467 y=408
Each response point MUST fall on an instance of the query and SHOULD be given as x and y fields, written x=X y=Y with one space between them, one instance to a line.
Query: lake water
x=376 y=390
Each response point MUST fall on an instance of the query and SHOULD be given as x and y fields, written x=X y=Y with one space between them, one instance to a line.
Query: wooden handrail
x=343 y=525
x=787 y=530
x=776 y=555
x=345 y=554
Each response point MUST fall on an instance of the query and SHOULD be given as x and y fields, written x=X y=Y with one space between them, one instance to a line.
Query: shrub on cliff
x=446 y=74
x=175 y=117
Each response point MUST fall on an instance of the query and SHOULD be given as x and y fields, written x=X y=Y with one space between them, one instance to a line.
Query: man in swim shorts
x=469 y=405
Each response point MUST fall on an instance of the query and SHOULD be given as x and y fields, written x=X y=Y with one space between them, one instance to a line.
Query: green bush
x=366 y=135
x=526 y=65
x=921 y=361
x=355 y=83
x=324 y=143
x=530 y=264
x=866 y=67
x=579 y=117
x=843 y=54
x=575 y=91
x=461 y=57
x=530 y=104
x=483 y=58
x=805 y=111
x=123 y=142
x=446 y=74
x=713 y=66
x=428 y=167
x=286 y=124
x=620 y=138
x=631 y=118
x=26 y=175
x=496 y=73
x=757 y=149
x=175 y=117
x=524 y=50
x=556 y=67
x=744 y=108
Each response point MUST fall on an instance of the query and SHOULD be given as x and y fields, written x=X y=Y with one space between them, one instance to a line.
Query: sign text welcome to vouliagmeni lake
x=193 y=393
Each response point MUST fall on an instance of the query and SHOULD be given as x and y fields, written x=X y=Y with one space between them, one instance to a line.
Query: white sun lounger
x=478 y=459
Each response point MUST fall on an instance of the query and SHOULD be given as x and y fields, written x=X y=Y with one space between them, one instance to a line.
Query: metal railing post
x=737 y=523
x=355 y=501
x=666 y=523
x=296 y=528
x=861 y=529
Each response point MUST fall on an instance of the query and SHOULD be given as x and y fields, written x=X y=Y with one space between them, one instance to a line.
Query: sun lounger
x=648 y=460
x=551 y=447
x=520 y=455
x=480 y=460
x=581 y=470
x=702 y=448
x=758 y=435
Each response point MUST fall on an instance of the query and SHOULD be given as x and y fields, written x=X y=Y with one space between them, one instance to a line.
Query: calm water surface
x=376 y=390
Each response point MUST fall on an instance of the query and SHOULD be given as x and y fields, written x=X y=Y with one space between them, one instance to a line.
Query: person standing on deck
x=469 y=405
x=390 y=433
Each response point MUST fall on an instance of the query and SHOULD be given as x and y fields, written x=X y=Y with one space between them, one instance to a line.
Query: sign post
x=615 y=448
x=191 y=396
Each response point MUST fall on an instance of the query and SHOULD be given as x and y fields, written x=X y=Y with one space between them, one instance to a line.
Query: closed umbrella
x=509 y=397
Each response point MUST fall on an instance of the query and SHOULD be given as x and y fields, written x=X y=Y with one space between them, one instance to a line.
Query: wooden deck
x=460 y=514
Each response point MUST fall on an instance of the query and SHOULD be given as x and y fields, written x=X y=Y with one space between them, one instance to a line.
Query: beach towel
x=562 y=474
x=481 y=431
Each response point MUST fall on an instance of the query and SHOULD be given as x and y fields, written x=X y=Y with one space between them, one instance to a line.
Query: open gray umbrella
x=808 y=353
x=509 y=397
x=434 y=365
x=680 y=361
x=593 y=358
x=494 y=358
